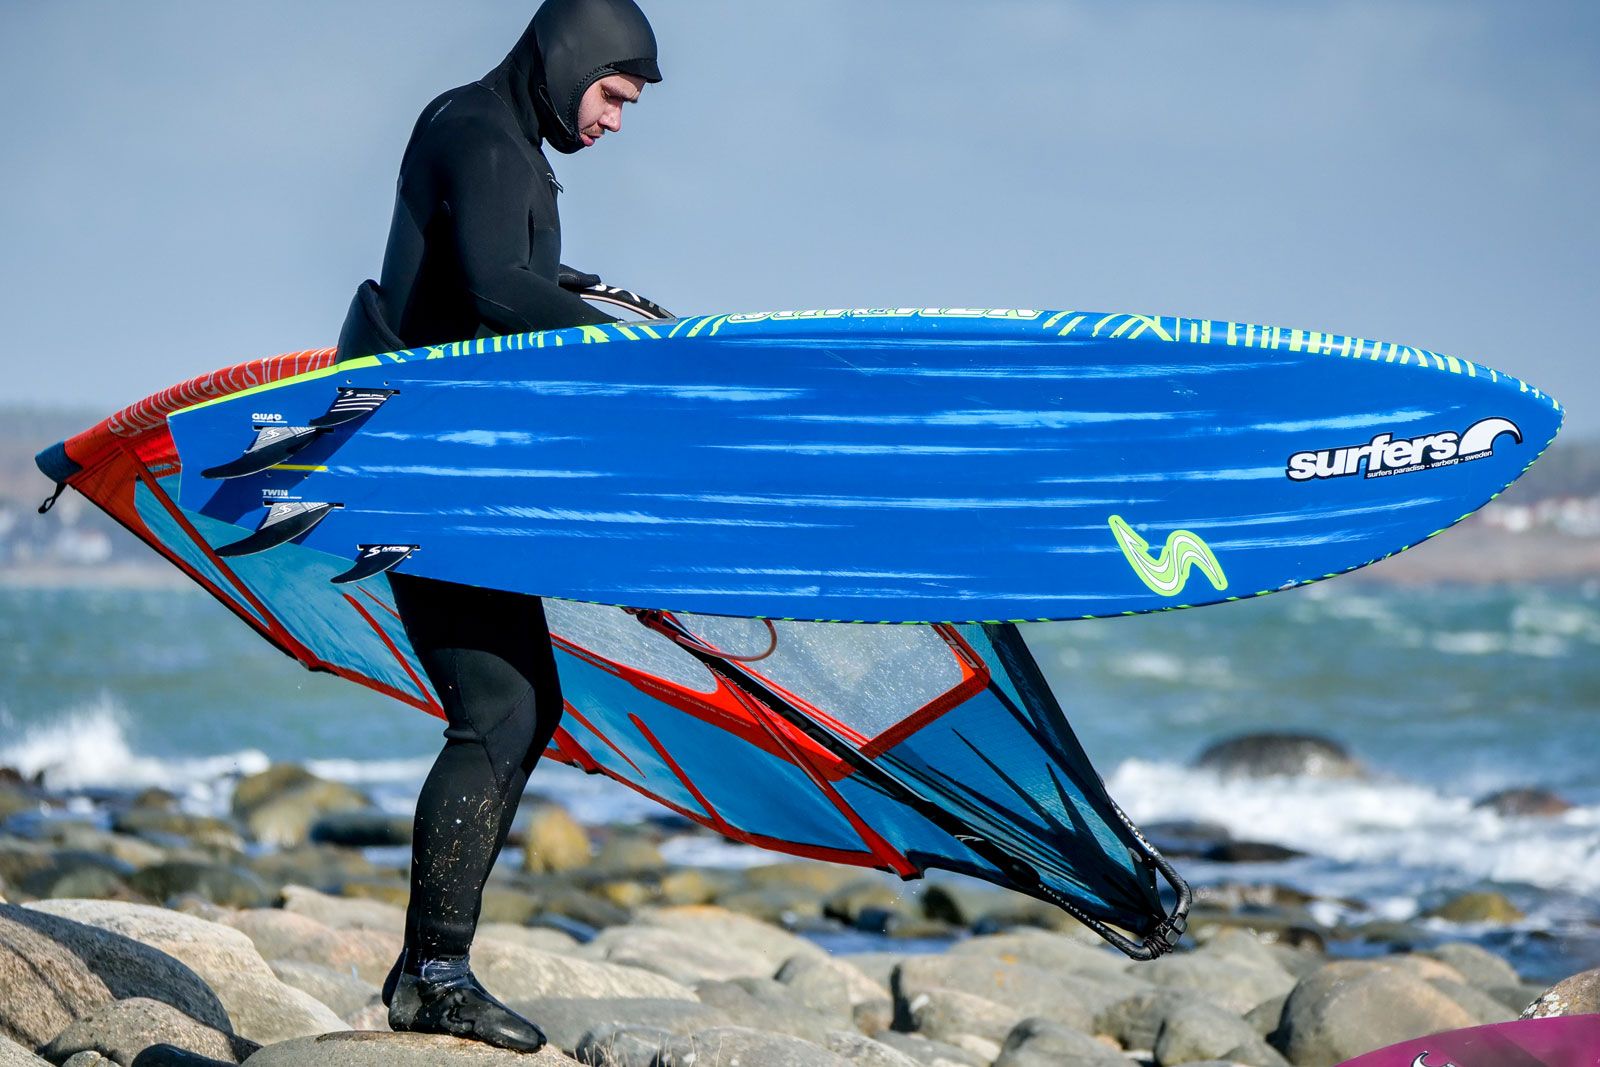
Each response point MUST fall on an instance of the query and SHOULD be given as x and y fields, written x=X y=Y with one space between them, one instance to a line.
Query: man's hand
x=575 y=280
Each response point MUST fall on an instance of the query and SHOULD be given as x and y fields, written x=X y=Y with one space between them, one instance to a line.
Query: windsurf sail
x=903 y=748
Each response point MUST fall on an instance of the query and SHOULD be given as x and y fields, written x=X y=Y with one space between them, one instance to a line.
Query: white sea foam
x=1397 y=838
x=88 y=747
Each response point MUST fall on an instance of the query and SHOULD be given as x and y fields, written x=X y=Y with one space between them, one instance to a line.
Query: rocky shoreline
x=136 y=933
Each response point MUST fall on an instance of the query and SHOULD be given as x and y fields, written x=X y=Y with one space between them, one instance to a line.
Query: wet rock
x=567 y=1020
x=260 y=1007
x=1577 y=995
x=766 y=1005
x=730 y=1046
x=341 y=913
x=1250 y=852
x=715 y=925
x=155 y=797
x=1197 y=1032
x=513 y=972
x=1038 y=1043
x=1349 y=1007
x=230 y=886
x=281 y=935
x=345 y=994
x=363 y=1048
x=553 y=841
x=830 y=985
x=1266 y=755
x=14 y=1055
x=1481 y=907
x=1478 y=966
x=123 y=1029
x=1185 y=838
x=53 y=971
x=681 y=957
x=175 y=827
x=368 y=828
x=1524 y=802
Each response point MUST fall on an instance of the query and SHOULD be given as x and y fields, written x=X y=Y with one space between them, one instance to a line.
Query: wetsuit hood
x=570 y=45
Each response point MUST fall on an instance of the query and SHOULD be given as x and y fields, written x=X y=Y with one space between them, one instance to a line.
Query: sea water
x=1445 y=694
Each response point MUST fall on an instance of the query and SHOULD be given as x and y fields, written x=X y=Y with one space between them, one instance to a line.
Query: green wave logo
x=1168 y=573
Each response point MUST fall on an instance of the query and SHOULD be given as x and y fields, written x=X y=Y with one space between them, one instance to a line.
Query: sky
x=189 y=184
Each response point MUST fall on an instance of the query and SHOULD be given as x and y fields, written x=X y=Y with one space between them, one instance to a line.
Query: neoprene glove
x=574 y=279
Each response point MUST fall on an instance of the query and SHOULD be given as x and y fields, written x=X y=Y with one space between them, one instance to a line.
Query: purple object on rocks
x=1568 y=1041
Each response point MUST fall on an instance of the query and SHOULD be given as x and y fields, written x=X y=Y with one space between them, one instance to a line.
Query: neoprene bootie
x=455 y=1004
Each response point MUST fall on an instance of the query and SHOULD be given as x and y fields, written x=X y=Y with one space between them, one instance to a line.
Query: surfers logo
x=1386 y=454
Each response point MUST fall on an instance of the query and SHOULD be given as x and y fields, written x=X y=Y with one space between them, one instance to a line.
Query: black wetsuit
x=474 y=250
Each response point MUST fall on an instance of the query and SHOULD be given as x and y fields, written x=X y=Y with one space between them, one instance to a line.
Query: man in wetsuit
x=474 y=250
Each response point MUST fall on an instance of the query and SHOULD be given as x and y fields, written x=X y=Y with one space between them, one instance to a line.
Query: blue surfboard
x=890 y=465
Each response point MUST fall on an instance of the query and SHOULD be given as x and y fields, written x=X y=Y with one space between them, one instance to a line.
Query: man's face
x=600 y=110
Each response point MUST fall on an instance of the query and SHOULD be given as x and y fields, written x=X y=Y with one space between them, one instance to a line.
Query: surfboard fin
x=273 y=445
x=351 y=404
x=371 y=560
x=285 y=521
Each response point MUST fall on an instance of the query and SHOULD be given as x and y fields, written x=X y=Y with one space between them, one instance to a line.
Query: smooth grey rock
x=862 y=1051
x=53 y=971
x=566 y=1020
x=829 y=985
x=233 y=887
x=71 y=873
x=543 y=938
x=1350 y=1007
x=1041 y=948
x=774 y=907
x=514 y=972
x=678 y=956
x=890 y=898
x=1228 y=983
x=1479 y=966
x=1200 y=1032
x=931 y=1053
x=365 y=1048
x=261 y=1008
x=1577 y=995
x=86 y=1059
x=345 y=994
x=1039 y=1043
x=622 y=1045
x=1264 y=755
x=1265 y=1017
x=1030 y=991
x=1482 y=1007
x=1136 y=1019
x=123 y=1029
x=343 y=913
x=766 y=1005
x=178 y=828
x=946 y=1015
x=282 y=935
x=739 y=1046
x=316 y=866
x=720 y=926
x=14 y=1055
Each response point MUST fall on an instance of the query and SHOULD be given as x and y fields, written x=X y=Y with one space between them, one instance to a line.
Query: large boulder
x=220 y=883
x=366 y=828
x=279 y=805
x=1577 y=995
x=1197 y=1032
x=365 y=1048
x=14 y=1055
x=829 y=984
x=343 y=913
x=260 y=1007
x=123 y=1029
x=719 y=926
x=1266 y=755
x=680 y=956
x=347 y=995
x=1349 y=1007
x=766 y=1005
x=283 y=935
x=1030 y=991
x=53 y=971
x=1041 y=948
x=553 y=841
x=514 y=972
x=1233 y=984
x=970 y=1022
x=566 y=1020
x=1478 y=966
x=1485 y=906
x=864 y=1051
x=1039 y=1043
